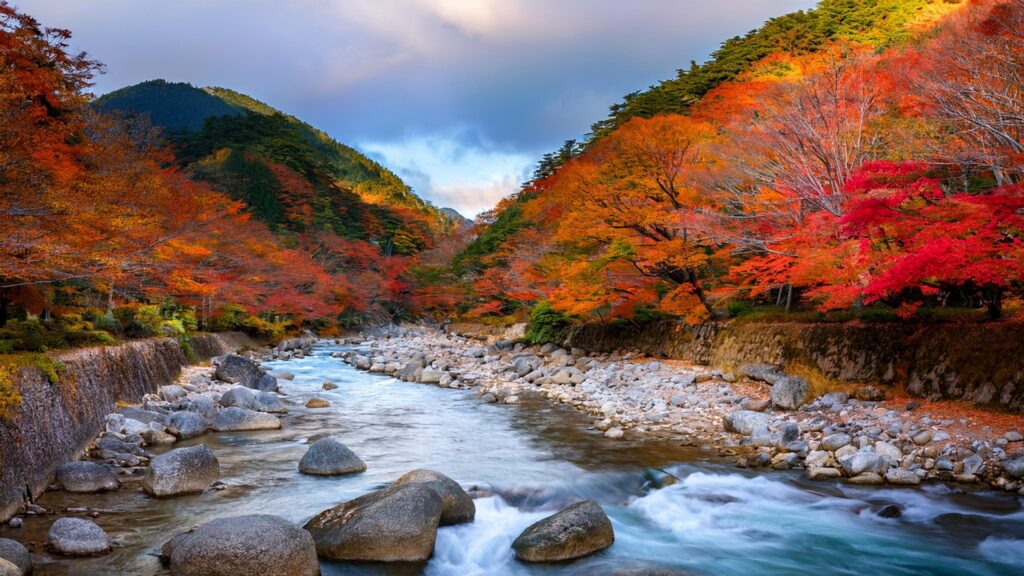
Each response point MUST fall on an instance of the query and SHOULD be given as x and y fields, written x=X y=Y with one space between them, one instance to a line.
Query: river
x=534 y=458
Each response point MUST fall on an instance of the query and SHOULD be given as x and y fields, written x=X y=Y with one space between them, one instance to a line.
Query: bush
x=546 y=324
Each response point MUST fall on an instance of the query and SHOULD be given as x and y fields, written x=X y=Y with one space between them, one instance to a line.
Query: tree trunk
x=3 y=307
x=789 y=298
x=994 y=302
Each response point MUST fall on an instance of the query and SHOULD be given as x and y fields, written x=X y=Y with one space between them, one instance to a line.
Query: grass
x=11 y=365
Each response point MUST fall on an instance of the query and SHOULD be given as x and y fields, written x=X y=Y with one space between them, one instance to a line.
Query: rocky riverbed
x=558 y=454
x=758 y=416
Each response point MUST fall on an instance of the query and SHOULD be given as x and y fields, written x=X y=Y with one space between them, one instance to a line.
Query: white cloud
x=455 y=169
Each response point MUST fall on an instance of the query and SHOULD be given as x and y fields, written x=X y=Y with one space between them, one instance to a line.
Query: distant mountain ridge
x=292 y=175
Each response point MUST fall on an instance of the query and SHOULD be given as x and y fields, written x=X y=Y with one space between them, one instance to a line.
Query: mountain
x=292 y=175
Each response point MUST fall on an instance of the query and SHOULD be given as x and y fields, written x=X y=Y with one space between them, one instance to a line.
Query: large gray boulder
x=269 y=402
x=235 y=369
x=574 y=532
x=525 y=364
x=87 y=477
x=790 y=393
x=181 y=471
x=265 y=383
x=745 y=421
x=17 y=555
x=77 y=537
x=204 y=406
x=412 y=370
x=187 y=424
x=396 y=524
x=456 y=505
x=239 y=396
x=236 y=419
x=328 y=457
x=244 y=545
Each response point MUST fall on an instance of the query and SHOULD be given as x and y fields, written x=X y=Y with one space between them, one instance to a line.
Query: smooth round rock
x=16 y=554
x=77 y=537
x=257 y=545
x=239 y=396
x=457 y=506
x=186 y=424
x=396 y=524
x=574 y=532
x=8 y=568
x=328 y=457
x=86 y=477
x=269 y=402
x=235 y=369
x=181 y=471
x=235 y=419
x=317 y=403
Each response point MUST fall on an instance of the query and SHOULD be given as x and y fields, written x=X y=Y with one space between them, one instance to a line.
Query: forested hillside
x=162 y=208
x=862 y=159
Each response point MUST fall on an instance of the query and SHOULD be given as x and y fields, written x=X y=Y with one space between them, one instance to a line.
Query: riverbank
x=755 y=416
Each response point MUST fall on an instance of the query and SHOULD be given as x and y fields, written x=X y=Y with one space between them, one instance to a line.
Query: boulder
x=172 y=393
x=863 y=461
x=790 y=393
x=235 y=369
x=283 y=375
x=411 y=371
x=525 y=364
x=456 y=505
x=328 y=457
x=902 y=476
x=328 y=385
x=13 y=552
x=236 y=419
x=428 y=376
x=761 y=373
x=1014 y=467
x=395 y=524
x=745 y=421
x=269 y=402
x=204 y=406
x=77 y=537
x=187 y=424
x=239 y=396
x=86 y=477
x=8 y=568
x=574 y=532
x=266 y=383
x=240 y=545
x=834 y=442
x=181 y=471
x=317 y=403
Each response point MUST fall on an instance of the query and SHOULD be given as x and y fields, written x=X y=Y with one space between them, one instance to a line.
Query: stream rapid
x=527 y=461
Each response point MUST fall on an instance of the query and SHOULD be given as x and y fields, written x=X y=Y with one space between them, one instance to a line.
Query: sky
x=459 y=97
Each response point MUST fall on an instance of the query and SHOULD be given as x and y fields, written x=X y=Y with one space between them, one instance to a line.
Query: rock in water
x=181 y=471
x=236 y=419
x=396 y=524
x=457 y=506
x=317 y=403
x=328 y=457
x=790 y=393
x=265 y=383
x=17 y=555
x=86 y=477
x=235 y=369
x=77 y=537
x=187 y=424
x=256 y=545
x=269 y=402
x=574 y=532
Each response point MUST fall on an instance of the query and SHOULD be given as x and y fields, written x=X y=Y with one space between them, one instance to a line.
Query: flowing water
x=534 y=458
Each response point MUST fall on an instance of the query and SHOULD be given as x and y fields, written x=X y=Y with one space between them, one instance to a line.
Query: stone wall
x=55 y=422
x=980 y=363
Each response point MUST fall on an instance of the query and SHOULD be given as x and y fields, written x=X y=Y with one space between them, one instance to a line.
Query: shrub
x=546 y=324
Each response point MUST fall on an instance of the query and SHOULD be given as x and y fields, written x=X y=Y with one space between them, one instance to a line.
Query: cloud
x=458 y=169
